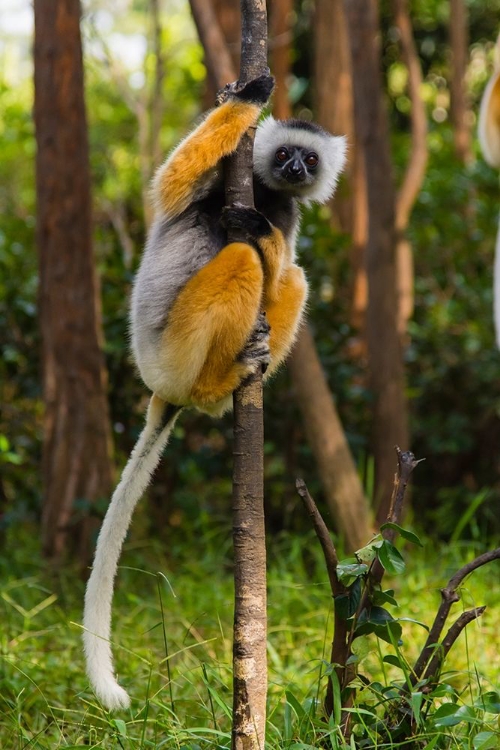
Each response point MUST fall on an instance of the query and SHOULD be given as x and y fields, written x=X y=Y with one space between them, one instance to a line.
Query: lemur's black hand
x=245 y=220
x=258 y=90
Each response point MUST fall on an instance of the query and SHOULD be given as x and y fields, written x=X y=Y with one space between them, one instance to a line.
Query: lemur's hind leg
x=284 y=312
x=285 y=286
x=204 y=351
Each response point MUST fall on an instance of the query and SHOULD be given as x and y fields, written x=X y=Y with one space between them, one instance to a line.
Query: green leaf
x=294 y=703
x=416 y=704
x=366 y=554
x=348 y=572
x=391 y=558
x=450 y=714
x=380 y=622
x=489 y=702
x=337 y=700
x=380 y=616
x=347 y=604
x=486 y=740
x=120 y=725
x=446 y=715
x=394 y=660
x=408 y=535
x=384 y=597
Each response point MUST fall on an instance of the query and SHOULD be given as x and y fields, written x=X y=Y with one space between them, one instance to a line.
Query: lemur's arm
x=269 y=241
x=177 y=181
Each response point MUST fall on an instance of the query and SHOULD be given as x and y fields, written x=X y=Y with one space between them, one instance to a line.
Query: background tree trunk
x=459 y=46
x=77 y=435
x=333 y=73
x=339 y=476
x=415 y=169
x=390 y=419
x=281 y=54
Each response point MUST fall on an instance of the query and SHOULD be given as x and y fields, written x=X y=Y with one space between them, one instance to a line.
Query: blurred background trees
x=145 y=83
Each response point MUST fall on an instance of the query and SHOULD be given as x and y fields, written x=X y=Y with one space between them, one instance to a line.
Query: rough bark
x=390 y=420
x=250 y=610
x=77 y=438
x=459 y=47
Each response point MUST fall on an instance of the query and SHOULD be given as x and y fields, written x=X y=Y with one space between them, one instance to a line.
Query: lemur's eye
x=312 y=159
x=281 y=155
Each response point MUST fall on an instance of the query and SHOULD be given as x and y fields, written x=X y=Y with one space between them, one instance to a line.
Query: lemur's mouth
x=295 y=177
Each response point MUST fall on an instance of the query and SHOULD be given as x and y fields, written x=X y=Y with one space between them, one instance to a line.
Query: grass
x=45 y=701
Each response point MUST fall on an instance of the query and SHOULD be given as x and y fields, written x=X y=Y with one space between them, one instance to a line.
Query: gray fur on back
x=175 y=250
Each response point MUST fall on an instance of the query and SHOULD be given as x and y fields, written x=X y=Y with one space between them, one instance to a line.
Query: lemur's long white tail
x=136 y=475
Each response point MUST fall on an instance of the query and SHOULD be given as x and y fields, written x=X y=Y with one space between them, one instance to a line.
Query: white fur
x=488 y=130
x=271 y=134
x=489 y=139
x=99 y=594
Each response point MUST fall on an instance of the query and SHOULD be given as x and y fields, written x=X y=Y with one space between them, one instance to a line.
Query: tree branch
x=449 y=595
x=451 y=636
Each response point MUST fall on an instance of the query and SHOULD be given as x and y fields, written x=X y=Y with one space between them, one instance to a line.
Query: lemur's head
x=299 y=158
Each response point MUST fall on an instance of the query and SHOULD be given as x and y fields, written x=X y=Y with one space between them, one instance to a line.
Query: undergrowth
x=177 y=665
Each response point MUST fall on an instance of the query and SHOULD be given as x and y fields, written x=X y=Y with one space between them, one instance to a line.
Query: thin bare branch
x=329 y=551
x=449 y=595
x=451 y=636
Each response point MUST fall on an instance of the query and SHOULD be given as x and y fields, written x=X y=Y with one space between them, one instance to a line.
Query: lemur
x=489 y=138
x=196 y=322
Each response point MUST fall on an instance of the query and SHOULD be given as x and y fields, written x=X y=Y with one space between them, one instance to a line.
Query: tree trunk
x=280 y=48
x=390 y=420
x=77 y=436
x=337 y=470
x=415 y=169
x=333 y=75
x=326 y=436
x=250 y=579
x=220 y=66
x=459 y=47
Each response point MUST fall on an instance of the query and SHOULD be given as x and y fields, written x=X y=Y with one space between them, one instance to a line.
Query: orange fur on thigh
x=211 y=322
x=284 y=313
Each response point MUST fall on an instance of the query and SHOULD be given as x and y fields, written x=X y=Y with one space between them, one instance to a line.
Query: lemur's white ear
x=489 y=116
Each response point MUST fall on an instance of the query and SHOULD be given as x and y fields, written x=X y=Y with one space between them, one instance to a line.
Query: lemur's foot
x=256 y=352
x=257 y=91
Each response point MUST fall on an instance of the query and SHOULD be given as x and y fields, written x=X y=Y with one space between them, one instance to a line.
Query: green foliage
x=452 y=363
x=181 y=618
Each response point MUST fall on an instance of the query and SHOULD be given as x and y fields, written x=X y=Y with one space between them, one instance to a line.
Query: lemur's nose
x=296 y=169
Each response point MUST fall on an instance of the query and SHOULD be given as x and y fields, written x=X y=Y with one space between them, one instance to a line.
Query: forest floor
x=172 y=645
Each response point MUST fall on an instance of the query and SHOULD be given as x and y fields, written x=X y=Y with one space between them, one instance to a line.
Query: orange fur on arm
x=216 y=137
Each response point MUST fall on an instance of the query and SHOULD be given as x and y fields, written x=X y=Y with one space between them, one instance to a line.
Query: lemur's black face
x=295 y=166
